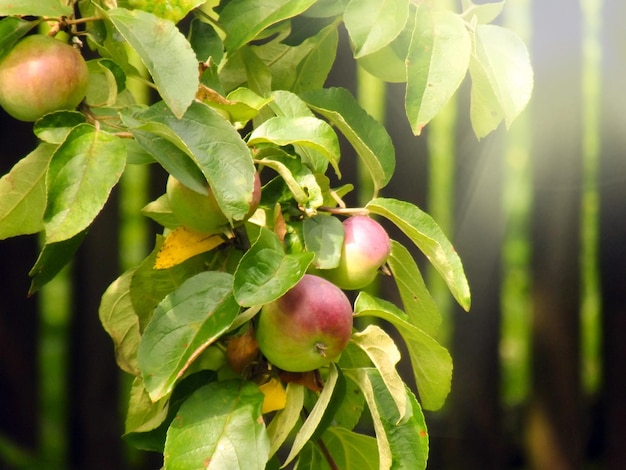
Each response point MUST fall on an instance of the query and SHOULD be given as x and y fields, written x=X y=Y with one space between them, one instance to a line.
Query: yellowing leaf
x=275 y=395
x=184 y=243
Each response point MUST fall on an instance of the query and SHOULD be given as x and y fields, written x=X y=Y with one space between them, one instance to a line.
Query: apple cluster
x=310 y=325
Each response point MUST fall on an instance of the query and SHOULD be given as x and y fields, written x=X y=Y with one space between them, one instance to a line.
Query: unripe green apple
x=41 y=75
x=201 y=212
x=306 y=328
x=365 y=249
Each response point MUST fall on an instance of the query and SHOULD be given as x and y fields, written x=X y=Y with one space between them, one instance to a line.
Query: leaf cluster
x=240 y=89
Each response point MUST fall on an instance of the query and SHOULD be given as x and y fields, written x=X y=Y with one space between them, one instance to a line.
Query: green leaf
x=304 y=66
x=173 y=10
x=265 y=272
x=315 y=416
x=144 y=414
x=368 y=137
x=304 y=131
x=82 y=173
x=481 y=13
x=323 y=236
x=205 y=42
x=165 y=52
x=385 y=355
x=389 y=63
x=167 y=148
x=419 y=306
x=313 y=69
x=298 y=178
x=326 y=8
x=23 y=194
x=55 y=127
x=409 y=442
x=147 y=422
x=160 y=211
x=350 y=451
x=120 y=321
x=241 y=104
x=53 y=258
x=502 y=78
x=212 y=144
x=348 y=413
x=286 y=419
x=429 y=238
x=245 y=68
x=185 y=323
x=136 y=154
x=12 y=29
x=333 y=405
x=54 y=8
x=219 y=426
x=290 y=105
x=244 y=20
x=372 y=24
x=431 y=362
x=402 y=446
x=106 y=80
x=436 y=63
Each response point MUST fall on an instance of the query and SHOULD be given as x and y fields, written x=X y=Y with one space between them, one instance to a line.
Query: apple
x=201 y=212
x=365 y=249
x=307 y=328
x=41 y=75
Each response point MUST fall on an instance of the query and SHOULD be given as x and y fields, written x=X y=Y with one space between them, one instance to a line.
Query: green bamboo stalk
x=54 y=317
x=516 y=304
x=590 y=298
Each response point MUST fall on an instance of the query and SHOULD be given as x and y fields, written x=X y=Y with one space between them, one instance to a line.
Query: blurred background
x=537 y=214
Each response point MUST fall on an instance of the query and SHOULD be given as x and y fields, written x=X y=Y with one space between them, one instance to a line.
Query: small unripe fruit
x=201 y=212
x=307 y=328
x=365 y=249
x=41 y=75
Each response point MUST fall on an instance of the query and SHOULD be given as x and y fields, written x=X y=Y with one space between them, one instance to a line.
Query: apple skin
x=307 y=328
x=365 y=249
x=41 y=75
x=200 y=212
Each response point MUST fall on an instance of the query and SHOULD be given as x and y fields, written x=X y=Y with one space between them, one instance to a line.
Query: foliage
x=241 y=87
